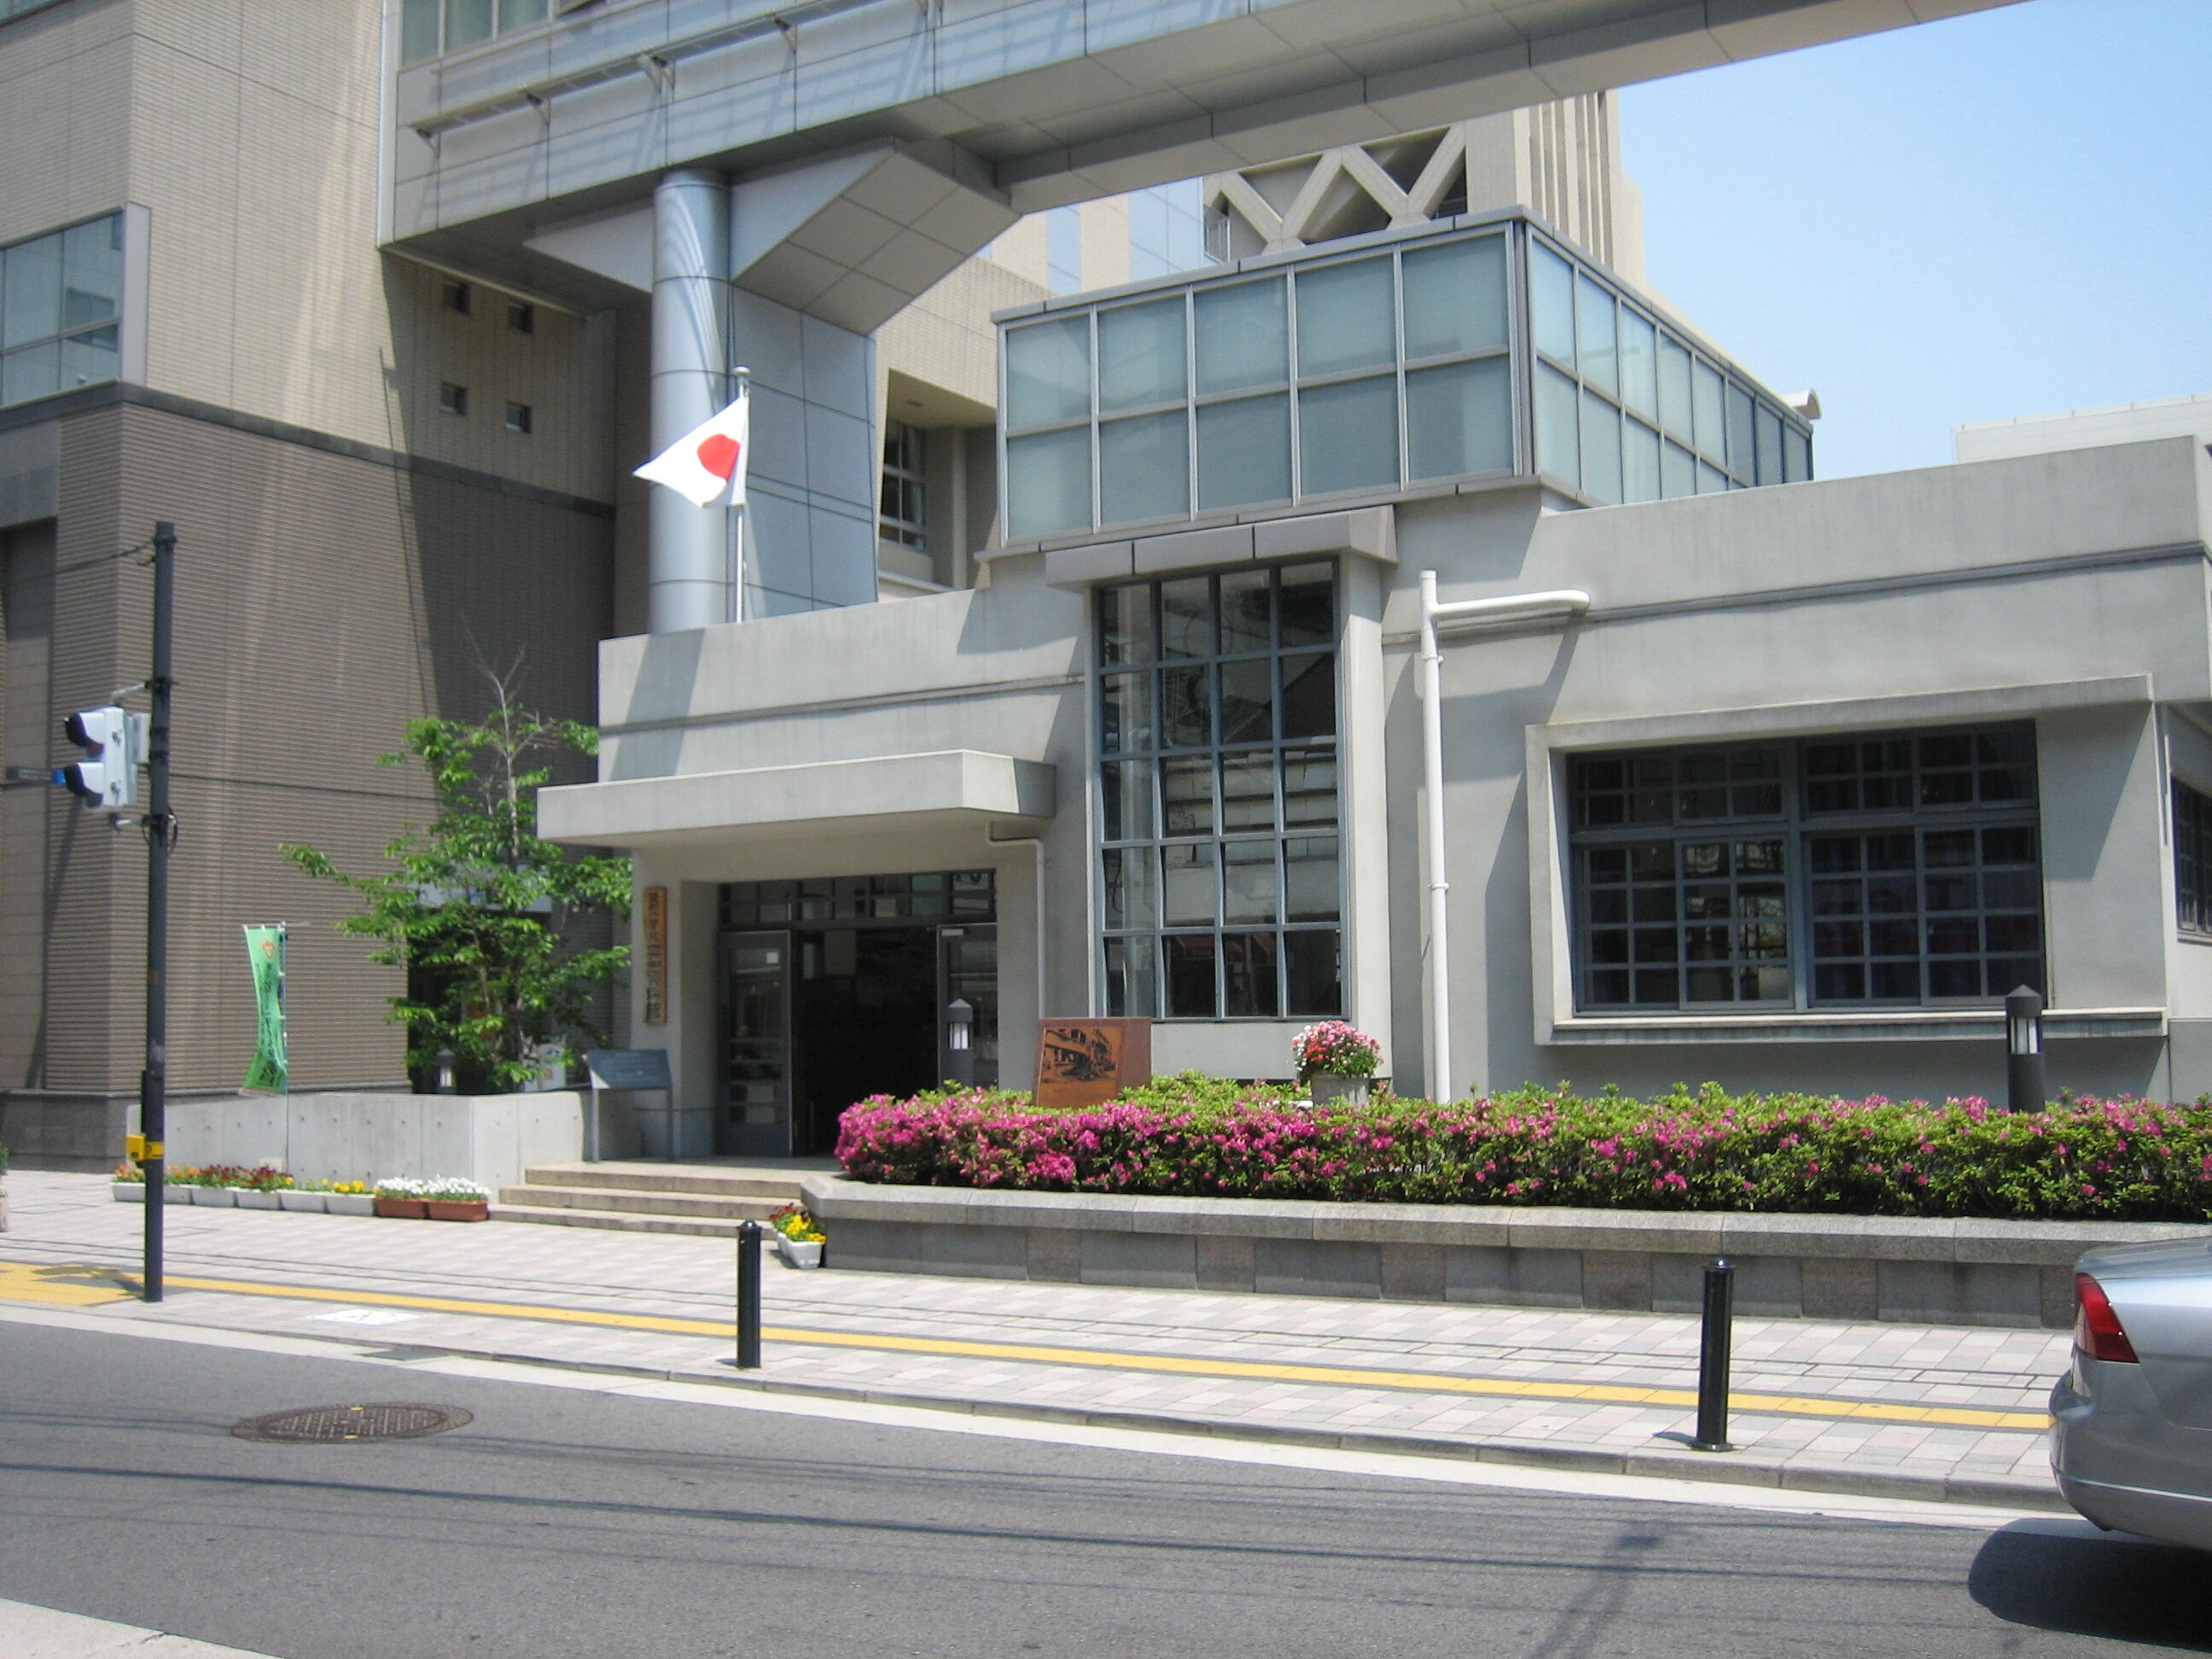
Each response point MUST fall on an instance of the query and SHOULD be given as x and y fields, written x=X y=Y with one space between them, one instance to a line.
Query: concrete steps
x=712 y=1198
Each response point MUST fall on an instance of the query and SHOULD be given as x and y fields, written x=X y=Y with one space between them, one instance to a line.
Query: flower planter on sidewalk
x=799 y=1252
x=449 y=1209
x=349 y=1204
x=214 y=1197
x=403 y=1209
x=254 y=1198
x=292 y=1199
x=128 y=1192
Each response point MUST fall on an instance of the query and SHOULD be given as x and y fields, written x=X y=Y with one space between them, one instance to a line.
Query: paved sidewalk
x=1903 y=1410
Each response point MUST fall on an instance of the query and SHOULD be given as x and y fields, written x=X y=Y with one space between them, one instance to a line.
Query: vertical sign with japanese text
x=654 y=916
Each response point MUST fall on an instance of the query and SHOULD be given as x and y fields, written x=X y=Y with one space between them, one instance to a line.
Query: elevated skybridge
x=1034 y=102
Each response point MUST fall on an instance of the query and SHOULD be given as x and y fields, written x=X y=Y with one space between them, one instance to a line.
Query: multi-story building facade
x=380 y=305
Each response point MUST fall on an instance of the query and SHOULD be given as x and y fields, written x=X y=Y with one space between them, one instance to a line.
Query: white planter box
x=798 y=1254
x=246 y=1199
x=128 y=1192
x=349 y=1203
x=177 y=1194
x=310 y=1202
x=214 y=1197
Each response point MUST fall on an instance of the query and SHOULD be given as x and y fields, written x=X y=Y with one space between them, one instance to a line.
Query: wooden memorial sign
x=1083 y=1062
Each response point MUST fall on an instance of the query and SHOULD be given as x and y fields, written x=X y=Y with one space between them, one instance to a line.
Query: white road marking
x=1573 y=1483
x=368 y=1316
x=37 y=1632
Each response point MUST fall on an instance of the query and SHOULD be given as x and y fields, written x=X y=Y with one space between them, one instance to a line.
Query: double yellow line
x=81 y=1286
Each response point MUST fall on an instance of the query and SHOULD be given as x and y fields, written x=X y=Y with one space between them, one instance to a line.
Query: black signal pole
x=161 y=835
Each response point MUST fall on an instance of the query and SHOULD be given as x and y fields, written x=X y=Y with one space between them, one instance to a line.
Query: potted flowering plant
x=798 y=1236
x=347 y=1198
x=257 y=1188
x=216 y=1186
x=449 y=1197
x=128 y=1184
x=402 y=1198
x=1335 y=1060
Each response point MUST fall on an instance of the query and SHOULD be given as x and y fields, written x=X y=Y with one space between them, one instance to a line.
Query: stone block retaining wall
x=1809 y=1267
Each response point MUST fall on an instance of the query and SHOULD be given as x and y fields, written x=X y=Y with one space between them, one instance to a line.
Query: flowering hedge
x=2119 y=1159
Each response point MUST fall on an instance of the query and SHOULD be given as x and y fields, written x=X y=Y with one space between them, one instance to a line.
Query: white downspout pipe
x=1516 y=610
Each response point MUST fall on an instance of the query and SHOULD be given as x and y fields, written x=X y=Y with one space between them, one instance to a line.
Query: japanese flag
x=708 y=464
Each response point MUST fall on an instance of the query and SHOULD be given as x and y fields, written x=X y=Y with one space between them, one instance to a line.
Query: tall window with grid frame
x=1220 y=870
x=2192 y=859
x=903 y=515
x=1892 y=869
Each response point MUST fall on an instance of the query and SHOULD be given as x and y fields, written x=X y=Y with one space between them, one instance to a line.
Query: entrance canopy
x=776 y=803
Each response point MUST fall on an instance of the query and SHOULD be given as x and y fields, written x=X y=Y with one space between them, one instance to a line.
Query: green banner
x=264 y=953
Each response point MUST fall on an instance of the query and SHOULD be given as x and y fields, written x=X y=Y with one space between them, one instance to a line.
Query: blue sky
x=2009 y=213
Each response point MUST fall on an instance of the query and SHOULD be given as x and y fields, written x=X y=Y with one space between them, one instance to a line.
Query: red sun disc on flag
x=719 y=455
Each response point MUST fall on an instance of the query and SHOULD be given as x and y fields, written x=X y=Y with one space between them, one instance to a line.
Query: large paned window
x=2192 y=859
x=902 y=514
x=1361 y=374
x=428 y=28
x=1895 y=869
x=61 y=305
x=1220 y=862
x=1628 y=411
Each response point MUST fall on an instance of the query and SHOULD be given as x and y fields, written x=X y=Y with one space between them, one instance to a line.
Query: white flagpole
x=743 y=378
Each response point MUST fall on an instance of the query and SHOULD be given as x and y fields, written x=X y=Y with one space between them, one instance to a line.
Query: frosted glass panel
x=1245 y=452
x=1048 y=372
x=1242 y=336
x=1593 y=321
x=1348 y=434
x=1459 y=418
x=1601 y=450
x=1552 y=303
x=1767 y=429
x=1140 y=354
x=1144 y=468
x=30 y=290
x=1739 y=432
x=1558 y=442
x=1048 y=482
x=1639 y=364
x=92 y=272
x=1346 y=319
x=466 y=23
x=1705 y=395
x=1639 y=463
x=1674 y=417
x=1455 y=298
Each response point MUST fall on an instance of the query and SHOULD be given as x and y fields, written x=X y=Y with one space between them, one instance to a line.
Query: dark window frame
x=2193 y=861
x=1269 y=968
x=1808 y=874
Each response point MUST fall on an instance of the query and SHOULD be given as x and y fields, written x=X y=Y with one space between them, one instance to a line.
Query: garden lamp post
x=2024 y=1085
x=445 y=1083
x=959 y=1039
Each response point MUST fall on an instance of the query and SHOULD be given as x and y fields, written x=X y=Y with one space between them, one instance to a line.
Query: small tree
x=474 y=908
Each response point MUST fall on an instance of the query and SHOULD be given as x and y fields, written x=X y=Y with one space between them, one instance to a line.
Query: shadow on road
x=2065 y=1575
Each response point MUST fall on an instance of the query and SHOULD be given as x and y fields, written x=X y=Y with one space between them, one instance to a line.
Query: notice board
x=1082 y=1062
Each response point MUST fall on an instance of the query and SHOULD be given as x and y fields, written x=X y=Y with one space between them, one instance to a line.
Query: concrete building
x=1743 y=776
x=2079 y=429
x=380 y=302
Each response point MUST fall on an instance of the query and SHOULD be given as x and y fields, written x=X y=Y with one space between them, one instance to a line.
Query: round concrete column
x=688 y=562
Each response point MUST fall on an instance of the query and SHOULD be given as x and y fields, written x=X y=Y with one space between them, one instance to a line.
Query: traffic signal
x=112 y=739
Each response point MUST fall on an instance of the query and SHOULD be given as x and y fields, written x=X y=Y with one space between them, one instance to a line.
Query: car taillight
x=2096 y=1330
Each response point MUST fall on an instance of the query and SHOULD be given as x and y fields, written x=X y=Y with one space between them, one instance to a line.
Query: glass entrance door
x=756 y=1116
x=967 y=967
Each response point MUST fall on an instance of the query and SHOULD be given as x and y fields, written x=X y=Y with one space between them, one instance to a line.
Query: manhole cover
x=340 y=1423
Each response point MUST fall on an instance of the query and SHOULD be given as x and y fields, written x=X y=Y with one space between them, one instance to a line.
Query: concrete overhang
x=780 y=803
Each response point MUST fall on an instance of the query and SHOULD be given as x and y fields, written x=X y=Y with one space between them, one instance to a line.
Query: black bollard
x=1713 y=1359
x=749 y=1306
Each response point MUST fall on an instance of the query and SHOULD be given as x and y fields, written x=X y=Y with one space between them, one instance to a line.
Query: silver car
x=2131 y=1434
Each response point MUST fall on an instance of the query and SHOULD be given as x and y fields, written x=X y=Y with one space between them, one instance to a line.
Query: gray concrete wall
x=489 y=1138
x=2018 y=1273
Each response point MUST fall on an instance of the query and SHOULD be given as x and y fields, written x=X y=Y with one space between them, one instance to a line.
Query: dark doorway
x=863 y=1021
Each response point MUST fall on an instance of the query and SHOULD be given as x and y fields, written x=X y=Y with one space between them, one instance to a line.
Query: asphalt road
x=569 y=1525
